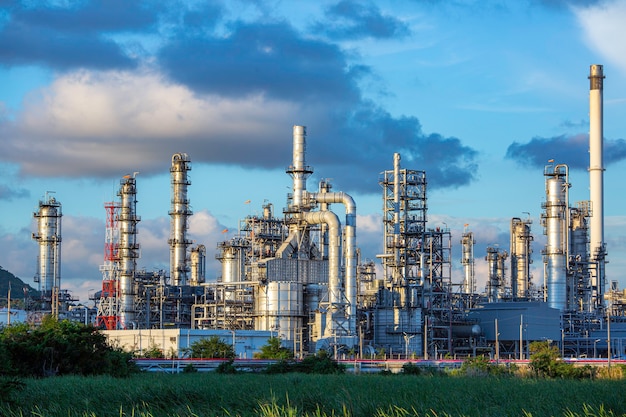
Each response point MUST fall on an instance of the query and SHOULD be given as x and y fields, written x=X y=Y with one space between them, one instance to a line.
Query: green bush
x=59 y=348
x=274 y=350
x=411 y=369
x=211 y=348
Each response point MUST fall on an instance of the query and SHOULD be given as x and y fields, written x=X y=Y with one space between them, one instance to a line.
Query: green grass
x=210 y=394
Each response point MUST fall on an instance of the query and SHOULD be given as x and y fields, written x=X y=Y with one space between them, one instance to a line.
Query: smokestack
x=596 y=180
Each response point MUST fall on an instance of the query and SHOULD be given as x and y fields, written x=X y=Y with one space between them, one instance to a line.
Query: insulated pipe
x=350 y=252
x=596 y=177
x=335 y=294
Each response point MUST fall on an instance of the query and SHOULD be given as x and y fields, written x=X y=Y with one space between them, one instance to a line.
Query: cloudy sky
x=479 y=94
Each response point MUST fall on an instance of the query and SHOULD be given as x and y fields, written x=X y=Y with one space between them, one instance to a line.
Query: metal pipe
x=350 y=250
x=335 y=294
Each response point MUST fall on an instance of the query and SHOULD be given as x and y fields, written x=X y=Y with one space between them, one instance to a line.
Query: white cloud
x=604 y=29
x=102 y=123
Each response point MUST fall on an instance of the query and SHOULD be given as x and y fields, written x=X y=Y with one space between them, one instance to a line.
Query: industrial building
x=299 y=274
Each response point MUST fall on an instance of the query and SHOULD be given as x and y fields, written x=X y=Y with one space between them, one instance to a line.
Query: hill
x=18 y=287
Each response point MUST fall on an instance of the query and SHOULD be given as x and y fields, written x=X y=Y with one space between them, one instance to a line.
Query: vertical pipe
x=596 y=178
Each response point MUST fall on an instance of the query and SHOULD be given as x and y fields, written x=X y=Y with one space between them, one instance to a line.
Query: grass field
x=211 y=394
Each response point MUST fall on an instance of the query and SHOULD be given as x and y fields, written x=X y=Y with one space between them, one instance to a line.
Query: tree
x=59 y=348
x=545 y=359
x=210 y=348
x=274 y=350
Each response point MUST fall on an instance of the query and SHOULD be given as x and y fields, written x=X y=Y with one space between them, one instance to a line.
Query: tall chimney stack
x=596 y=181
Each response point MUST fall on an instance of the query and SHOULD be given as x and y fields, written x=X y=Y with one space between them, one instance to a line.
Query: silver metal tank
x=279 y=309
x=232 y=255
x=520 y=257
x=179 y=215
x=555 y=221
x=48 y=237
x=128 y=249
x=198 y=265
x=467 y=261
x=492 y=274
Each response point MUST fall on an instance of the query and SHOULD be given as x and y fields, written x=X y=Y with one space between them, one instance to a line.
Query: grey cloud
x=91 y=16
x=570 y=150
x=11 y=193
x=356 y=151
x=66 y=38
x=269 y=59
x=349 y=19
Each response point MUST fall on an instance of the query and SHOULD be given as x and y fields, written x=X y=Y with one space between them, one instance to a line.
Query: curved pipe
x=350 y=242
x=334 y=252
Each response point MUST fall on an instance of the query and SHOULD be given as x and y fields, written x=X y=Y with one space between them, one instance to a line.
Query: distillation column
x=555 y=220
x=179 y=214
x=48 y=237
x=579 y=288
x=520 y=258
x=597 y=248
x=128 y=249
x=467 y=261
x=198 y=265
x=495 y=266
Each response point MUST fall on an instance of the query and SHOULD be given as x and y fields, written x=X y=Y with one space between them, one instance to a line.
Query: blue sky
x=479 y=94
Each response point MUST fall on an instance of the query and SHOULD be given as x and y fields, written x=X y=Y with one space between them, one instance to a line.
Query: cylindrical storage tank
x=556 y=229
x=279 y=309
x=198 y=265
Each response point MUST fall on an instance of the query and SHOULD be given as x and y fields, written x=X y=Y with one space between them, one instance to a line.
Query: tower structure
x=597 y=249
x=555 y=220
x=179 y=214
x=128 y=249
x=48 y=236
x=467 y=262
x=108 y=308
x=520 y=252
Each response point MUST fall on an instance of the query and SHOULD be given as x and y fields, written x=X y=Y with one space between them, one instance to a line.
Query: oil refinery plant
x=299 y=274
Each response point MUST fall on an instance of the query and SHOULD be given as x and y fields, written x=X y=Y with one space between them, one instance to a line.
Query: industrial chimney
x=597 y=250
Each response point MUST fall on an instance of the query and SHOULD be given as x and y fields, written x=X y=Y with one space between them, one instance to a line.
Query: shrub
x=274 y=350
x=411 y=369
x=226 y=367
x=211 y=348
